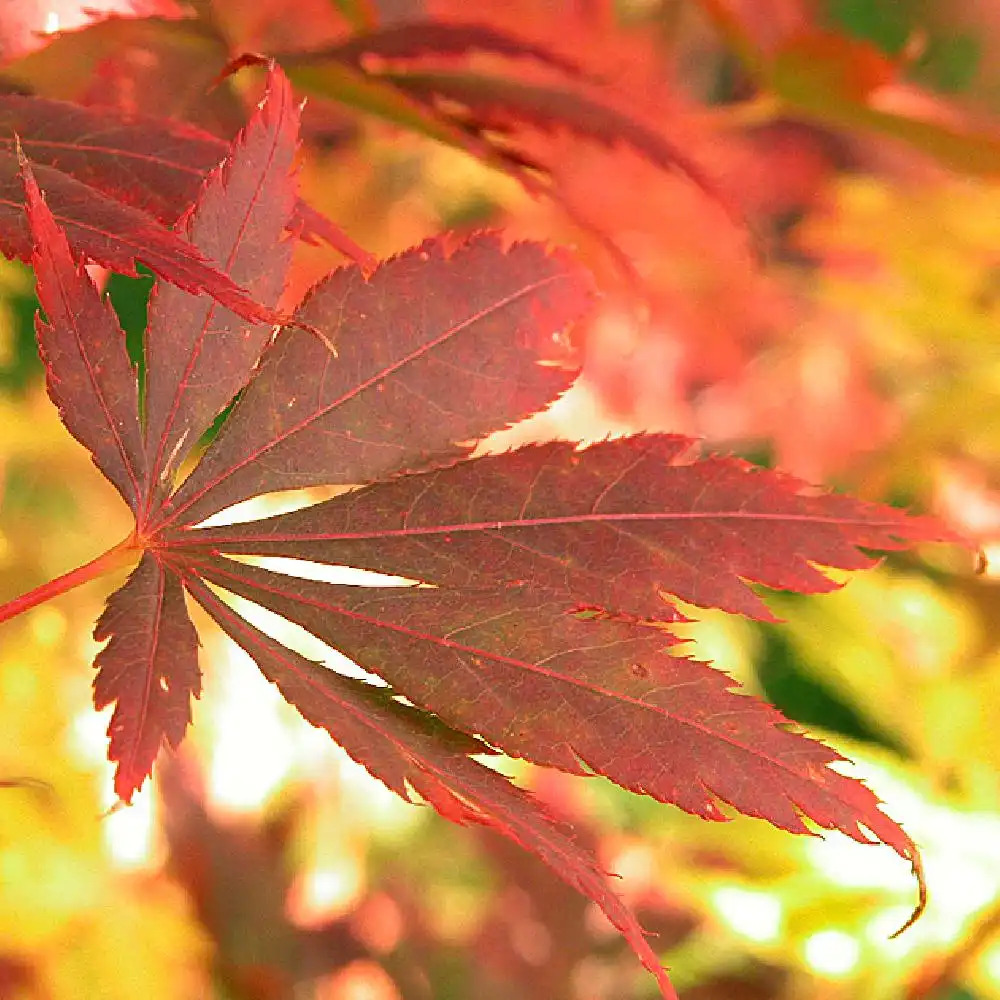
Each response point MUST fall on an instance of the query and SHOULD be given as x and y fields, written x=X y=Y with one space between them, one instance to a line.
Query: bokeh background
x=833 y=309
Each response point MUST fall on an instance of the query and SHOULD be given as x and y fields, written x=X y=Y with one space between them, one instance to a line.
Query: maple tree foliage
x=544 y=580
x=115 y=184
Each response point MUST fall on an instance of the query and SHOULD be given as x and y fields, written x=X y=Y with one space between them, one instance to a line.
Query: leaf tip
x=918 y=910
x=27 y=174
x=127 y=783
x=237 y=63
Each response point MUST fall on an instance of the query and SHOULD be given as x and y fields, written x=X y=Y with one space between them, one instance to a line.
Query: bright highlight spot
x=271 y=504
x=129 y=831
x=361 y=980
x=991 y=964
x=88 y=738
x=347 y=575
x=753 y=915
x=324 y=894
x=51 y=23
x=962 y=882
x=879 y=930
x=252 y=754
x=832 y=953
x=48 y=625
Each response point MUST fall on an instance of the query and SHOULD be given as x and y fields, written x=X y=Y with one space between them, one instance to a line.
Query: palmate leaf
x=387 y=386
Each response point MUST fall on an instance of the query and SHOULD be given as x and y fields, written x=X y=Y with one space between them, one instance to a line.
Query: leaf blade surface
x=148 y=669
x=614 y=525
x=199 y=354
x=88 y=374
x=404 y=748
x=433 y=352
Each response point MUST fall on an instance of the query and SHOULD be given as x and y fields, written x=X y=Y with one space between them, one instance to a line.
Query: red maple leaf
x=385 y=384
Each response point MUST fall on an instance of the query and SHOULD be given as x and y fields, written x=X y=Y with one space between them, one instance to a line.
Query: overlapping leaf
x=152 y=164
x=115 y=183
x=390 y=381
x=395 y=73
x=471 y=109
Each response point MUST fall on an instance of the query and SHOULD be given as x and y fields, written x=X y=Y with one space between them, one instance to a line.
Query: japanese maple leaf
x=545 y=579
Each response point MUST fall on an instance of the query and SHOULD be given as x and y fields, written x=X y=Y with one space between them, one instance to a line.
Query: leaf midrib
x=210 y=536
x=95 y=385
x=209 y=312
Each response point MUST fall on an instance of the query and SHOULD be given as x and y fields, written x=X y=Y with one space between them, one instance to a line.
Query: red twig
x=116 y=557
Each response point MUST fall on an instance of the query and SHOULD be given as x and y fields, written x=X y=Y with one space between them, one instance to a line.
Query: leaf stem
x=117 y=556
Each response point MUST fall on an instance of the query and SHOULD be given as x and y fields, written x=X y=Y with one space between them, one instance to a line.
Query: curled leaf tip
x=119 y=805
x=237 y=63
x=918 y=910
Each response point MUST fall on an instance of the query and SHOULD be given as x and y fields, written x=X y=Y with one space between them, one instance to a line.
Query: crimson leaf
x=152 y=164
x=424 y=323
x=387 y=386
x=412 y=40
x=89 y=375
